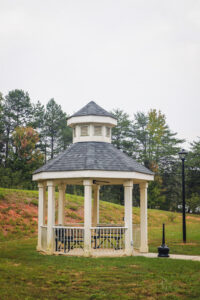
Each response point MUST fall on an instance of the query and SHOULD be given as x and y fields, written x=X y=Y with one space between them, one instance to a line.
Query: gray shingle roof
x=92 y=109
x=93 y=156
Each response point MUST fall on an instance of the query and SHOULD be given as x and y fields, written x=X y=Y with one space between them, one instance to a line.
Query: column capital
x=41 y=184
x=61 y=186
x=144 y=185
x=128 y=183
x=88 y=182
x=96 y=186
x=51 y=183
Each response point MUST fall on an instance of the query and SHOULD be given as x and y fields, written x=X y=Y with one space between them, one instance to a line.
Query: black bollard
x=163 y=250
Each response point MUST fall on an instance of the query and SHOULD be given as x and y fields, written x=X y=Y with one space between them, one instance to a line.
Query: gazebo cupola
x=92 y=161
x=92 y=124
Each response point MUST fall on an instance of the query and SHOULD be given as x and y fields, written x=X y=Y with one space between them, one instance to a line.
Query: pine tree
x=140 y=136
x=55 y=128
x=38 y=123
x=122 y=134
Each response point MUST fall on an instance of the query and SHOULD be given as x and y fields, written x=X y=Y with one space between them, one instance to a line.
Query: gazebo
x=91 y=161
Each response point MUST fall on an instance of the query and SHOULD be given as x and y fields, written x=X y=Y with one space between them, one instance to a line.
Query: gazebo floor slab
x=94 y=253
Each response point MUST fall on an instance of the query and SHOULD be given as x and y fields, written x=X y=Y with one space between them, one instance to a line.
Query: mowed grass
x=27 y=274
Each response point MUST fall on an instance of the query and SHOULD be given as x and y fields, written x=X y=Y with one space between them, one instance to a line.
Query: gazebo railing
x=108 y=237
x=103 y=236
x=68 y=238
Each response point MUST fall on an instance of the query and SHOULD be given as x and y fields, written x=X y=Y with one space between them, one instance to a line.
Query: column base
x=38 y=248
x=144 y=249
x=129 y=252
x=49 y=251
x=87 y=253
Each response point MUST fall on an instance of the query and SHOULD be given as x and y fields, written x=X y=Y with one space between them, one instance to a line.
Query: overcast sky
x=129 y=54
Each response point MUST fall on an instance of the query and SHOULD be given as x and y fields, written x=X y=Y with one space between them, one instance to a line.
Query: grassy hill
x=18 y=219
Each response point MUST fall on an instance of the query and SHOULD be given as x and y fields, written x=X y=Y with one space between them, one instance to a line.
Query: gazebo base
x=94 y=253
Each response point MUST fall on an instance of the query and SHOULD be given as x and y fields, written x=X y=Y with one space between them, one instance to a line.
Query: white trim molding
x=91 y=119
x=92 y=174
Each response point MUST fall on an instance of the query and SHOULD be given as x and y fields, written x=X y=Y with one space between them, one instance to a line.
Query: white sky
x=127 y=54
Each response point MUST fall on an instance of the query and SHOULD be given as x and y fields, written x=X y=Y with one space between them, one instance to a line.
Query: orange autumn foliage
x=25 y=140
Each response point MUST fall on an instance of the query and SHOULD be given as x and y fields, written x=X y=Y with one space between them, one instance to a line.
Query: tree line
x=148 y=139
x=31 y=134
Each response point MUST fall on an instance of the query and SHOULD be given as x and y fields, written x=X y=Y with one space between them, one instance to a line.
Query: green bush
x=34 y=202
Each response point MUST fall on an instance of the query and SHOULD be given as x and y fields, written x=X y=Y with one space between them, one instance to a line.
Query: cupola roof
x=92 y=109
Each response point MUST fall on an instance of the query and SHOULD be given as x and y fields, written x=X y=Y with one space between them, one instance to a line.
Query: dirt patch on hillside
x=18 y=219
x=193 y=218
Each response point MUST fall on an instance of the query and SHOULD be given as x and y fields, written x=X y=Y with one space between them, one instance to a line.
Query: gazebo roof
x=92 y=109
x=93 y=156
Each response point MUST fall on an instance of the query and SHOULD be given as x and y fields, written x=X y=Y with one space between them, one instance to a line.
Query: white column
x=98 y=193
x=51 y=216
x=143 y=218
x=95 y=208
x=128 y=188
x=87 y=216
x=61 y=203
x=44 y=204
x=41 y=211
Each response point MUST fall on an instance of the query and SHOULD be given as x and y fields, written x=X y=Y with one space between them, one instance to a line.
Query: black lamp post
x=163 y=250
x=182 y=155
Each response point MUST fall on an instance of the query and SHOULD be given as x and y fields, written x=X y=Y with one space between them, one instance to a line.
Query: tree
x=155 y=141
x=65 y=135
x=17 y=112
x=28 y=129
x=192 y=167
x=38 y=116
x=140 y=134
x=38 y=123
x=149 y=140
x=26 y=157
x=56 y=132
x=171 y=181
x=157 y=148
x=193 y=203
x=156 y=129
x=122 y=134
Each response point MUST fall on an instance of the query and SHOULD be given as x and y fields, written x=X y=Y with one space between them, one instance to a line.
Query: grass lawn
x=174 y=238
x=27 y=274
